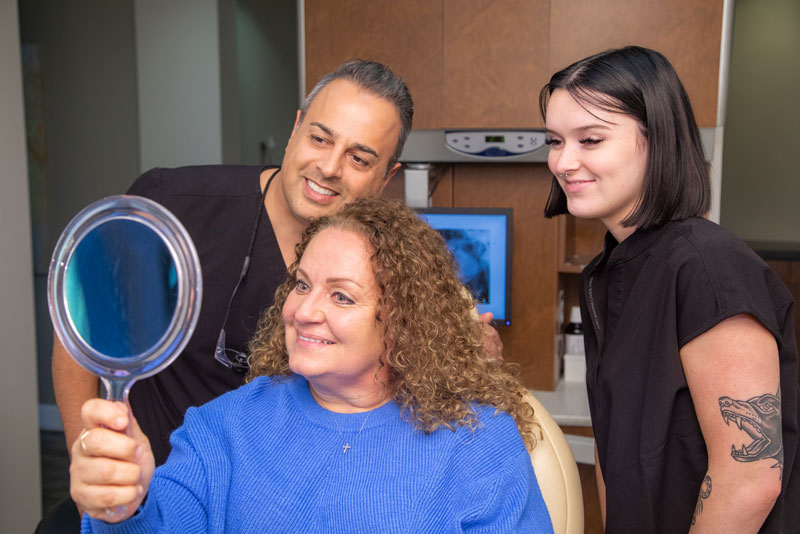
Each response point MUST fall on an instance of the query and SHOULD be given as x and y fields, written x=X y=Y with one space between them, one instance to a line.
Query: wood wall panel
x=592 y=518
x=443 y=186
x=396 y=188
x=579 y=241
x=495 y=60
x=529 y=340
x=687 y=32
x=481 y=64
x=789 y=272
x=406 y=36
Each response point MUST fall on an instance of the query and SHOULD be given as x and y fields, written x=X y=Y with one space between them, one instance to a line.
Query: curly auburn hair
x=436 y=364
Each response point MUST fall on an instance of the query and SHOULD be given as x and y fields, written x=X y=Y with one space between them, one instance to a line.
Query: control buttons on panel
x=494 y=144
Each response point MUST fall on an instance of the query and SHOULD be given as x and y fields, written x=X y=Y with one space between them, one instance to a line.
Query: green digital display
x=495 y=139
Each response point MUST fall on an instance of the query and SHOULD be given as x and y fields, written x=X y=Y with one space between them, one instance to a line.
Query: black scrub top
x=218 y=205
x=642 y=300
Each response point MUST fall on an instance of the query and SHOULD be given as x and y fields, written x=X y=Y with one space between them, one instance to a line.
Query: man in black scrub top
x=346 y=141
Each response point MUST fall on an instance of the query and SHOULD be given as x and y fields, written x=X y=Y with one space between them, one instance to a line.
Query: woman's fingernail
x=139 y=491
x=138 y=452
x=120 y=421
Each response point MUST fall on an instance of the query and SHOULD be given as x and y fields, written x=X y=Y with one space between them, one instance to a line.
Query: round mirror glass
x=121 y=297
x=124 y=290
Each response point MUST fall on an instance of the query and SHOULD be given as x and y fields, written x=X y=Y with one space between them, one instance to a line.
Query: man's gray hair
x=379 y=80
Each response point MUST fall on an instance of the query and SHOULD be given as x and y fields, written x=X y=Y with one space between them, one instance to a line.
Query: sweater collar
x=308 y=406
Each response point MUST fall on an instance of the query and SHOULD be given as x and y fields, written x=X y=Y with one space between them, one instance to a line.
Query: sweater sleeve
x=178 y=497
x=506 y=496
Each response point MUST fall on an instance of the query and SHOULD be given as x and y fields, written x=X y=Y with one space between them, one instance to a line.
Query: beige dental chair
x=557 y=473
x=555 y=467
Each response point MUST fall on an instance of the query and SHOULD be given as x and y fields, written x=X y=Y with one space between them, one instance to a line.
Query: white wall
x=20 y=486
x=178 y=59
x=88 y=144
x=229 y=81
x=90 y=109
x=266 y=32
x=761 y=180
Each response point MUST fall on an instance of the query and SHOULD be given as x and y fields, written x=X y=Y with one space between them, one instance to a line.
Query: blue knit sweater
x=267 y=458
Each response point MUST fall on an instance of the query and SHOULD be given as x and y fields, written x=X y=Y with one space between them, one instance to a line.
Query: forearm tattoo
x=705 y=491
x=760 y=418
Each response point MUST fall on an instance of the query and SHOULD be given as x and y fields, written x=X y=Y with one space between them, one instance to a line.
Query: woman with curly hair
x=370 y=407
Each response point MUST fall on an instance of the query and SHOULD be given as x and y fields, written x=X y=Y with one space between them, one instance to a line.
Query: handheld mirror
x=124 y=290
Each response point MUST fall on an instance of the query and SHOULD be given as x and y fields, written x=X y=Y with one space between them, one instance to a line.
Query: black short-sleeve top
x=642 y=300
x=218 y=205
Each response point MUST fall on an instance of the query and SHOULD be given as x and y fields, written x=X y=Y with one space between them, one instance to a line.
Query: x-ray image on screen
x=480 y=240
x=471 y=251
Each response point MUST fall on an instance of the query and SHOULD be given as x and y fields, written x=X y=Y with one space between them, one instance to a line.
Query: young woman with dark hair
x=690 y=345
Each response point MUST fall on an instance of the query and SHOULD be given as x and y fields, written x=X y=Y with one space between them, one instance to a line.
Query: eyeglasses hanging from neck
x=230 y=358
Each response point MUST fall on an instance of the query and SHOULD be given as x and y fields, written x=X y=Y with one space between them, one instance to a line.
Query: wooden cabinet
x=592 y=516
x=579 y=240
x=687 y=32
x=789 y=271
x=548 y=254
x=406 y=36
x=468 y=63
x=481 y=63
x=530 y=339
x=495 y=62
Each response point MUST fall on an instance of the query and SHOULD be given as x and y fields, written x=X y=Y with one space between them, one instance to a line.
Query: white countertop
x=568 y=404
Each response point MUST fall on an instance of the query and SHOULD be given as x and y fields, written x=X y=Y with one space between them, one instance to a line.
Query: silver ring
x=120 y=510
x=81 y=438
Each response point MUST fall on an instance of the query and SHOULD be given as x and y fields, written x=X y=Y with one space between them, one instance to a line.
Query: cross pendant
x=345 y=447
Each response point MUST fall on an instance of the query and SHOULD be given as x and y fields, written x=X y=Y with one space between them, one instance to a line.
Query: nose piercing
x=564 y=175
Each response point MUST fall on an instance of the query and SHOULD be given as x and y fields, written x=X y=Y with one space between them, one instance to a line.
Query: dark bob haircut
x=641 y=83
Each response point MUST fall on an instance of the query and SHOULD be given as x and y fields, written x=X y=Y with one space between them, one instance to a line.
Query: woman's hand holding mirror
x=124 y=290
x=112 y=464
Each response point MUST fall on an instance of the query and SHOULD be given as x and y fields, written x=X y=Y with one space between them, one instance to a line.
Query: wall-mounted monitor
x=480 y=240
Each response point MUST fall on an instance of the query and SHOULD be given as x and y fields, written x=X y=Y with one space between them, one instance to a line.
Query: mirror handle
x=117 y=388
